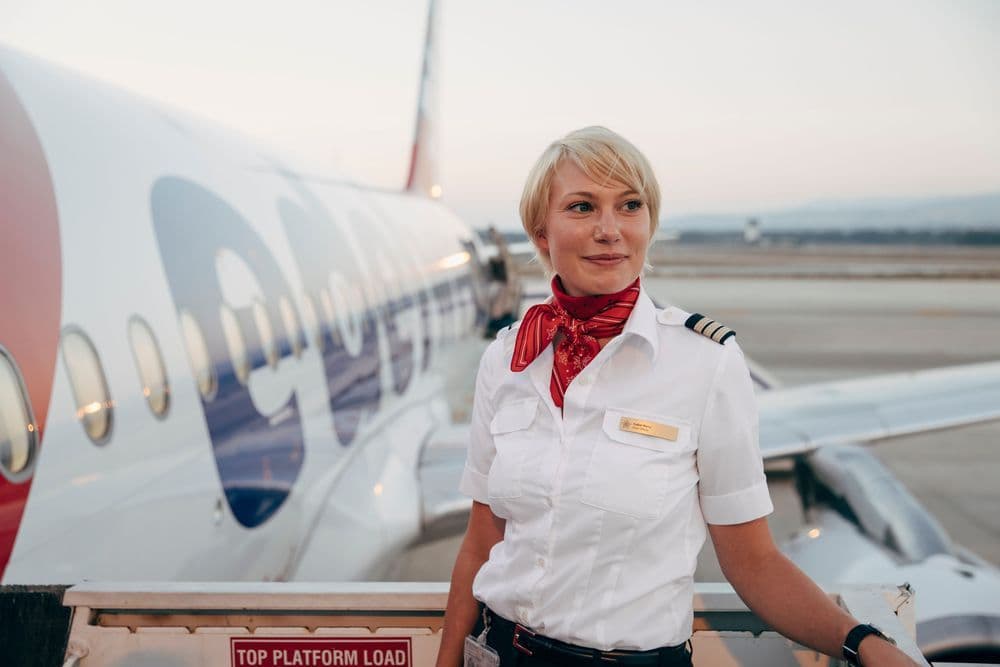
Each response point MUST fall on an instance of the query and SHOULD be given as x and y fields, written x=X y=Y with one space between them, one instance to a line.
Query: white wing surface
x=799 y=419
x=793 y=421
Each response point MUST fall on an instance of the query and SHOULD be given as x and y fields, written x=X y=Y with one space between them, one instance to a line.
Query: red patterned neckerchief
x=581 y=320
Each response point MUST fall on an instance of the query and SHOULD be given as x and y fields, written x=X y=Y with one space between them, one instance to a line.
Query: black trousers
x=501 y=638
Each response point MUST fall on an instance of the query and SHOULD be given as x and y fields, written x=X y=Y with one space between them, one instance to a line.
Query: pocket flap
x=646 y=430
x=514 y=416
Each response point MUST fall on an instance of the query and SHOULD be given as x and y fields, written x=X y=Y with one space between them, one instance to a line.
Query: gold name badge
x=664 y=431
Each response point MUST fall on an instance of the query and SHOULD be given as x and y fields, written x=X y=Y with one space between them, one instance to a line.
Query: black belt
x=531 y=643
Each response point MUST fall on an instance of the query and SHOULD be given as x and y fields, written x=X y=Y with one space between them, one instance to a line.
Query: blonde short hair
x=603 y=156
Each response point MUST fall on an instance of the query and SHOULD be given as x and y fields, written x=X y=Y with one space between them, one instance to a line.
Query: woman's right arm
x=485 y=529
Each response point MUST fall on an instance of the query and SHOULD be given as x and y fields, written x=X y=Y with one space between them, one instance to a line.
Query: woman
x=607 y=438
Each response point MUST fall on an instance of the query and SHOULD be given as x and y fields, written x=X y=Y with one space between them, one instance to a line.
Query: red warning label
x=320 y=652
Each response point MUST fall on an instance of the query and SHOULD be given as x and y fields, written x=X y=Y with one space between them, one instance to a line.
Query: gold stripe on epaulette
x=709 y=328
x=719 y=333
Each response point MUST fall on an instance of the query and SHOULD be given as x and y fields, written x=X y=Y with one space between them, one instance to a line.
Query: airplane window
x=149 y=362
x=312 y=322
x=236 y=343
x=90 y=389
x=326 y=301
x=356 y=306
x=18 y=432
x=201 y=362
x=266 y=333
x=291 y=324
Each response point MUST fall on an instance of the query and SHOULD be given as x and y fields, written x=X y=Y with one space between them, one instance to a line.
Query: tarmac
x=805 y=326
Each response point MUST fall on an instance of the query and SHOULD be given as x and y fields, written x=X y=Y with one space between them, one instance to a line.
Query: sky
x=742 y=107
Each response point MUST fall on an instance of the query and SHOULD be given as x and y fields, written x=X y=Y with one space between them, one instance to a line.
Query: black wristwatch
x=853 y=641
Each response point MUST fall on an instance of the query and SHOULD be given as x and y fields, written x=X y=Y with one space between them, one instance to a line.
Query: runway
x=820 y=329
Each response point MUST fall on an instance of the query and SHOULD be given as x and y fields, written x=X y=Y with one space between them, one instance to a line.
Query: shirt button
x=585 y=381
x=541 y=562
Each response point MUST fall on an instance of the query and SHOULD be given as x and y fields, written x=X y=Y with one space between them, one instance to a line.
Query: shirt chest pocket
x=511 y=431
x=632 y=461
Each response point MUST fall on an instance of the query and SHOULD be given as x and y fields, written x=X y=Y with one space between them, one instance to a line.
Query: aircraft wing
x=793 y=421
x=799 y=419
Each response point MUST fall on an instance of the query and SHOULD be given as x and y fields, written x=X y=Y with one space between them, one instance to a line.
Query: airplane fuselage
x=297 y=325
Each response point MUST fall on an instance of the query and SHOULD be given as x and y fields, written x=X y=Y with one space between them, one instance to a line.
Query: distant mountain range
x=973 y=211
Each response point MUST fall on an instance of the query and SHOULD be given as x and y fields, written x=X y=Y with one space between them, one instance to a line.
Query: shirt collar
x=642 y=321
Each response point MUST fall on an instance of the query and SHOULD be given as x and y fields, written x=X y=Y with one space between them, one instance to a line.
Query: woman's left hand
x=787 y=599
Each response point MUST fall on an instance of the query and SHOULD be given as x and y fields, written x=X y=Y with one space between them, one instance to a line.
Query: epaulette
x=709 y=328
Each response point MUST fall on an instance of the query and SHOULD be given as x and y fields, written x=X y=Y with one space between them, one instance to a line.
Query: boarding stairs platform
x=381 y=625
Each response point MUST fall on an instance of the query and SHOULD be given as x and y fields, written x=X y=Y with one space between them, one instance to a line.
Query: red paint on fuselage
x=30 y=281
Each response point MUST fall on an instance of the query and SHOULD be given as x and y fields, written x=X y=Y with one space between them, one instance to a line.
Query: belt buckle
x=518 y=629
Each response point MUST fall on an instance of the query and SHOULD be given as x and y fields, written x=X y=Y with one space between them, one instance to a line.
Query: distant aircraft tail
x=423 y=176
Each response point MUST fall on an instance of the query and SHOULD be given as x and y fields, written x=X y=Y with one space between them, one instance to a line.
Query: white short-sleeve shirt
x=604 y=520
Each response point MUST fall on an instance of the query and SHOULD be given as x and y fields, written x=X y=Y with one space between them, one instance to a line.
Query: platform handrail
x=113 y=623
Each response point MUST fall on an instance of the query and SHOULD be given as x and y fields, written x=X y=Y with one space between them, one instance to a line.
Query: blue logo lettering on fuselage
x=329 y=274
x=192 y=227
x=359 y=313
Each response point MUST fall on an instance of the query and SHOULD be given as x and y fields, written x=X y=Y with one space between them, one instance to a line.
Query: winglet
x=423 y=177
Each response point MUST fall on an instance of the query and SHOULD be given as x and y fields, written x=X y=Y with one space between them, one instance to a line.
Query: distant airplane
x=216 y=367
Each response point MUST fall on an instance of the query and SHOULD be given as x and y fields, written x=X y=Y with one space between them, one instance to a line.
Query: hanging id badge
x=477 y=653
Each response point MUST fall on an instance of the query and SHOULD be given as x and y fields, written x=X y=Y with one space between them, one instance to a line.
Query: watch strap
x=853 y=641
